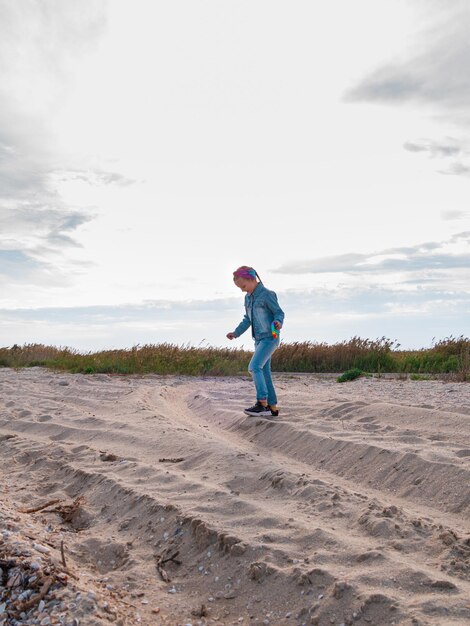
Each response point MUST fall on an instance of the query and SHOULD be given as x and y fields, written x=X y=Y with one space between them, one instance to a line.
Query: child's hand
x=277 y=325
x=230 y=336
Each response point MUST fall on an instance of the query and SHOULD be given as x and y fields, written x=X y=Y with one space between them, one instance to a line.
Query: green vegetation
x=419 y=377
x=450 y=356
x=349 y=375
x=158 y=359
x=365 y=354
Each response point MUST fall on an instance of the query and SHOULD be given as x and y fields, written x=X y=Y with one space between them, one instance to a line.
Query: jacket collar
x=257 y=291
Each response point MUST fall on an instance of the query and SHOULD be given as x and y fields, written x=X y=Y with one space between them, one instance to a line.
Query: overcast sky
x=149 y=148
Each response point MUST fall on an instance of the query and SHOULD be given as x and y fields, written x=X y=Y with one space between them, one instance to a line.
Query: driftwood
x=164 y=558
x=27 y=604
x=177 y=460
x=118 y=598
x=39 y=508
x=42 y=585
x=62 y=554
x=65 y=570
x=44 y=541
x=164 y=576
x=67 y=511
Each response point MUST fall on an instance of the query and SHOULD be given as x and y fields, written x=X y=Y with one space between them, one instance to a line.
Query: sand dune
x=352 y=507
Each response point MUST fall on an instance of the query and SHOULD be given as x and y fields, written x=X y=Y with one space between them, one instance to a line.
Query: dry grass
x=161 y=358
x=366 y=354
x=448 y=356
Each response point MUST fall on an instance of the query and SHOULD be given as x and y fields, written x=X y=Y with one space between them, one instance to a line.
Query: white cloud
x=432 y=72
x=95 y=177
x=399 y=313
x=454 y=215
x=39 y=44
x=428 y=256
x=431 y=75
x=448 y=148
x=146 y=150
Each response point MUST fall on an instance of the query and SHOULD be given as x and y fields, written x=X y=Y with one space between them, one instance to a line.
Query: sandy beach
x=352 y=507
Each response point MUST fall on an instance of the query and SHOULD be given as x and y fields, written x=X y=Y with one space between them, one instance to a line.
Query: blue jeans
x=260 y=369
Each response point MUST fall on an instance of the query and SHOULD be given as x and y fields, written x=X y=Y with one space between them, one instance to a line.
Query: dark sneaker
x=273 y=413
x=258 y=410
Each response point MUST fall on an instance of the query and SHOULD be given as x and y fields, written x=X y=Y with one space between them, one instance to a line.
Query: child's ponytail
x=245 y=271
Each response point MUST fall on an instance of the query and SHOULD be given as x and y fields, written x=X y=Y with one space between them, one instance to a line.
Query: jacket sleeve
x=273 y=306
x=242 y=326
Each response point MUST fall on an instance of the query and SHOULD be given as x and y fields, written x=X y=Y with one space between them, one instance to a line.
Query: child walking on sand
x=265 y=316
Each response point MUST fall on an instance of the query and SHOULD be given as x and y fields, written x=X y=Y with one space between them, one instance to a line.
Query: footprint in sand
x=106 y=556
x=79 y=449
x=44 y=418
x=437 y=437
x=370 y=556
x=62 y=436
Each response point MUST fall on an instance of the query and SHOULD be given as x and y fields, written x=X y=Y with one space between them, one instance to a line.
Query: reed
x=365 y=354
x=161 y=358
x=450 y=356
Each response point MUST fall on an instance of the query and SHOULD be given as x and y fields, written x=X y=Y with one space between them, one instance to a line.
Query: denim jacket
x=261 y=309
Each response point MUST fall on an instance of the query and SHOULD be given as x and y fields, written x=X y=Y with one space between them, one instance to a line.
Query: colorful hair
x=246 y=272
